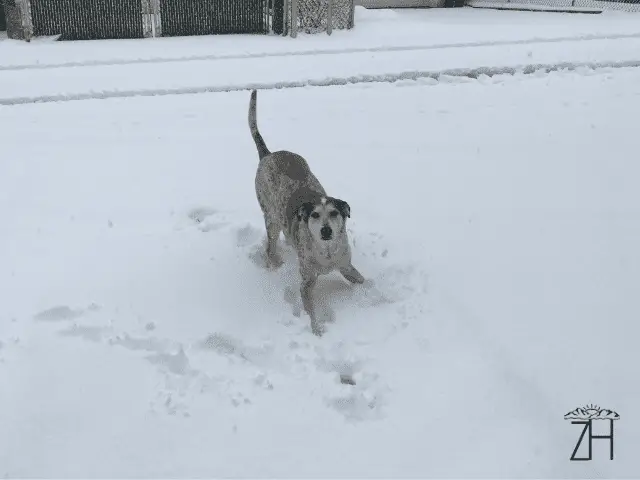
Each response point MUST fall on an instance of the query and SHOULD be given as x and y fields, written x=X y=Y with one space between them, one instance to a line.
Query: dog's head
x=326 y=217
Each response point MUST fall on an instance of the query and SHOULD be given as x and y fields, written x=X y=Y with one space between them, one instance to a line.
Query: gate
x=198 y=17
x=312 y=16
x=87 y=19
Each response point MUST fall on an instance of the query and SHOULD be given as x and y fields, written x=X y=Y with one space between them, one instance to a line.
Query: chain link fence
x=86 y=19
x=315 y=16
x=103 y=19
x=3 y=20
x=76 y=19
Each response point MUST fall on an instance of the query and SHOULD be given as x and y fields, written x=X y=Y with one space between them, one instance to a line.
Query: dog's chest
x=330 y=257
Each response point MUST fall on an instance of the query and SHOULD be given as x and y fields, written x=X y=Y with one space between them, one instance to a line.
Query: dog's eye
x=315 y=215
x=333 y=214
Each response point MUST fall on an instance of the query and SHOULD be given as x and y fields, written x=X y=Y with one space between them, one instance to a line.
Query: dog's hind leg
x=352 y=274
x=273 y=233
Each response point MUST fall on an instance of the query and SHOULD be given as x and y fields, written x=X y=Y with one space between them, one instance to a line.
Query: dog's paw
x=274 y=262
x=318 y=329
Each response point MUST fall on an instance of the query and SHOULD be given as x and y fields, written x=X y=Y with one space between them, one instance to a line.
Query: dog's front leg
x=352 y=274
x=306 y=290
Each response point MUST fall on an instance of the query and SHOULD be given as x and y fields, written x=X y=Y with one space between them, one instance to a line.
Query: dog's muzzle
x=326 y=233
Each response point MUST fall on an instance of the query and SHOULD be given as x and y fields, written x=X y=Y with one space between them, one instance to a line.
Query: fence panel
x=208 y=17
x=3 y=20
x=277 y=22
x=87 y=19
x=312 y=16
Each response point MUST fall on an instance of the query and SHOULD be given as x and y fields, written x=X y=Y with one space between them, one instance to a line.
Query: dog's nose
x=325 y=233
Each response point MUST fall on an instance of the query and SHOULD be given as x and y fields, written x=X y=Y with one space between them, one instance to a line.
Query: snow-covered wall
x=627 y=6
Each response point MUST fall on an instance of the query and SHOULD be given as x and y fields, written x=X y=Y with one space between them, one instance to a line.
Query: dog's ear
x=343 y=207
x=304 y=211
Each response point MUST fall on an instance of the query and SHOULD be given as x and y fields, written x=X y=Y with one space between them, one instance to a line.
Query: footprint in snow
x=200 y=214
x=171 y=402
x=247 y=235
x=177 y=364
x=355 y=393
x=182 y=382
x=147 y=344
x=400 y=282
x=207 y=219
x=57 y=314
x=360 y=399
x=231 y=347
x=258 y=256
x=88 y=333
x=63 y=313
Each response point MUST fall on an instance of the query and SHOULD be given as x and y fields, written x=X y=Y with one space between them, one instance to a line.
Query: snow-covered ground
x=386 y=45
x=497 y=221
x=375 y=30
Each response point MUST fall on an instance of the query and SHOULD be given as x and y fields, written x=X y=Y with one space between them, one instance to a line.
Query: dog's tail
x=263 y=151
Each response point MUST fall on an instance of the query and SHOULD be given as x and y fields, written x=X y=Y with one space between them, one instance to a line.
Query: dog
x=294 y=202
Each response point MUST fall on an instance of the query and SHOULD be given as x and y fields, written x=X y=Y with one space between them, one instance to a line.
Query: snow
x=22 y=86
x=387 y=45
x=375 y=29
x=497 y=227
x=585 y=6
x=535 y=7
x=384 y=47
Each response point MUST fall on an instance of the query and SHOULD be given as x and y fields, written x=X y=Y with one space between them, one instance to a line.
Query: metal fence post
x=352 y=14
x=294 y=18
x=151 y=24
x=266 y=18
x=286 y=15
x=147 y=19
x=24 y=8
x=157 y=18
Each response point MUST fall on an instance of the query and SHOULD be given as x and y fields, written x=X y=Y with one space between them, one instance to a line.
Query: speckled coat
x=284 y=182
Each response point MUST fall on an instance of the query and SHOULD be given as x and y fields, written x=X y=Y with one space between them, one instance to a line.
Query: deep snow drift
x=496 y=220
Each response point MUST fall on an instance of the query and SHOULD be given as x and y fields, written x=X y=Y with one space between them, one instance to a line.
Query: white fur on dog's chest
x=331 y=256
